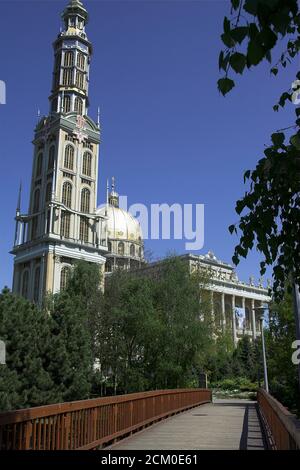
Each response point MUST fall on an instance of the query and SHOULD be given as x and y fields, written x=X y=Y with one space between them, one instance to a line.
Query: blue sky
x=168 y=136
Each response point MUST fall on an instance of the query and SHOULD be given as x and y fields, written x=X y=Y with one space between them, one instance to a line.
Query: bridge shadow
x=252 y=434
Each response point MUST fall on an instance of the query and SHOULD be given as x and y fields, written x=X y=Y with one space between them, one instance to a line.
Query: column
x=21 y=233
x=253 y=319
x=223 y=310
x=233 y=321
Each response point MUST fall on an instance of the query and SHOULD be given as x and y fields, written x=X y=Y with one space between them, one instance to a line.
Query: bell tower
x=61 y=224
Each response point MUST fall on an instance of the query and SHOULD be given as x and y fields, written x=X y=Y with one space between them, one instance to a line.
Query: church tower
x=62 y=224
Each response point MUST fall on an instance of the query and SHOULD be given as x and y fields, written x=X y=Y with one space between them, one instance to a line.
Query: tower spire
x=114 y=196
x=18 y=209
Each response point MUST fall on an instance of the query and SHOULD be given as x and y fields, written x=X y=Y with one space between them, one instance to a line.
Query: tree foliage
x=280 y=336
x=270 y=210
x=152 y=333
x=25 y=379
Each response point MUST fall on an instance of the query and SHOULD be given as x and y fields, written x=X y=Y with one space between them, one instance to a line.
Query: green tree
x=75 y=317
x=281 y=334
x=270 y=210
x=177 y=298
x=25 y=379
x=130 y=329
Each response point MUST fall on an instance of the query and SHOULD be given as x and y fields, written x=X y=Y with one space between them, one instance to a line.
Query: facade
x=236 y=306
x=62 y=223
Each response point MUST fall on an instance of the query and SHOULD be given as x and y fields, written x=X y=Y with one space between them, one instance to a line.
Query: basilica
x=64 y=222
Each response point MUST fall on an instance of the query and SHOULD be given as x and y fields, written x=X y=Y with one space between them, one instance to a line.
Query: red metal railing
x=88 y=424
x=282 y=427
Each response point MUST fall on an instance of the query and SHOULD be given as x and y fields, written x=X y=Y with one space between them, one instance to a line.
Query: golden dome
x=121 y=225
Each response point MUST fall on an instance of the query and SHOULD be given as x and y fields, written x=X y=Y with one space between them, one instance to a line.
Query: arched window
x=69 y=59
x=34 y=227
x=69 y=157
x=67 y=77
x=67 y=194
x=109 y=246
x=36 y=286
x=39 y=165
x=51 y=157
x=25 y=283
x=85 y=201
x=79 y=79
x=108 y=266
x=80 y=60
x=140 y=252
x=64 y=276
x=121 y=248
x=65 y=224
x=87 y=164
x=84 y=229
x=36 y=201
x=78 y=106
x=48 y=191
x=132 y=250
x=67 y=104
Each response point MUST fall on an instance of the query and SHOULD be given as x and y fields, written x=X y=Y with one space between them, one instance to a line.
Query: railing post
x=66 y=434
x=115 y=417
x=27 y=436
x=131 y=413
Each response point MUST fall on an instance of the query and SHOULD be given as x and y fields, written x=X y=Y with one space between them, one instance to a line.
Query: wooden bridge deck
x=223 y=424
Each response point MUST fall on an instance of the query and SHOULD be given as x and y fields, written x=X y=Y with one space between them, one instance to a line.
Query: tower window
x=79 y=79
x=48 y=191
x=84 y=229
x=121 y=248
x=69 y=59
x=85 y=201
x=78 y=105
x=39 y=165
x=34 y=227
x=67 y=194
x=132 y=250
x=65 y=224
x=67 y=104
x=25 y=283
x=69 y=157
x=81 y=61
x=36 y=201
x=64 y=276
x=109 y=246
x=51 y=157
x=87 y=164
x=67 y=77
x=36 y=287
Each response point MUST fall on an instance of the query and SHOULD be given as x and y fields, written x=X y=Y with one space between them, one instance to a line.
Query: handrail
x=283 y=426
x=88 y=424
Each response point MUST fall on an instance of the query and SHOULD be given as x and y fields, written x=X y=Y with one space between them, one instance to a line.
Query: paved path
x=224 y=424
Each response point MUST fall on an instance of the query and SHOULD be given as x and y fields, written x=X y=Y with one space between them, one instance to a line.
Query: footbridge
x=161 y=419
